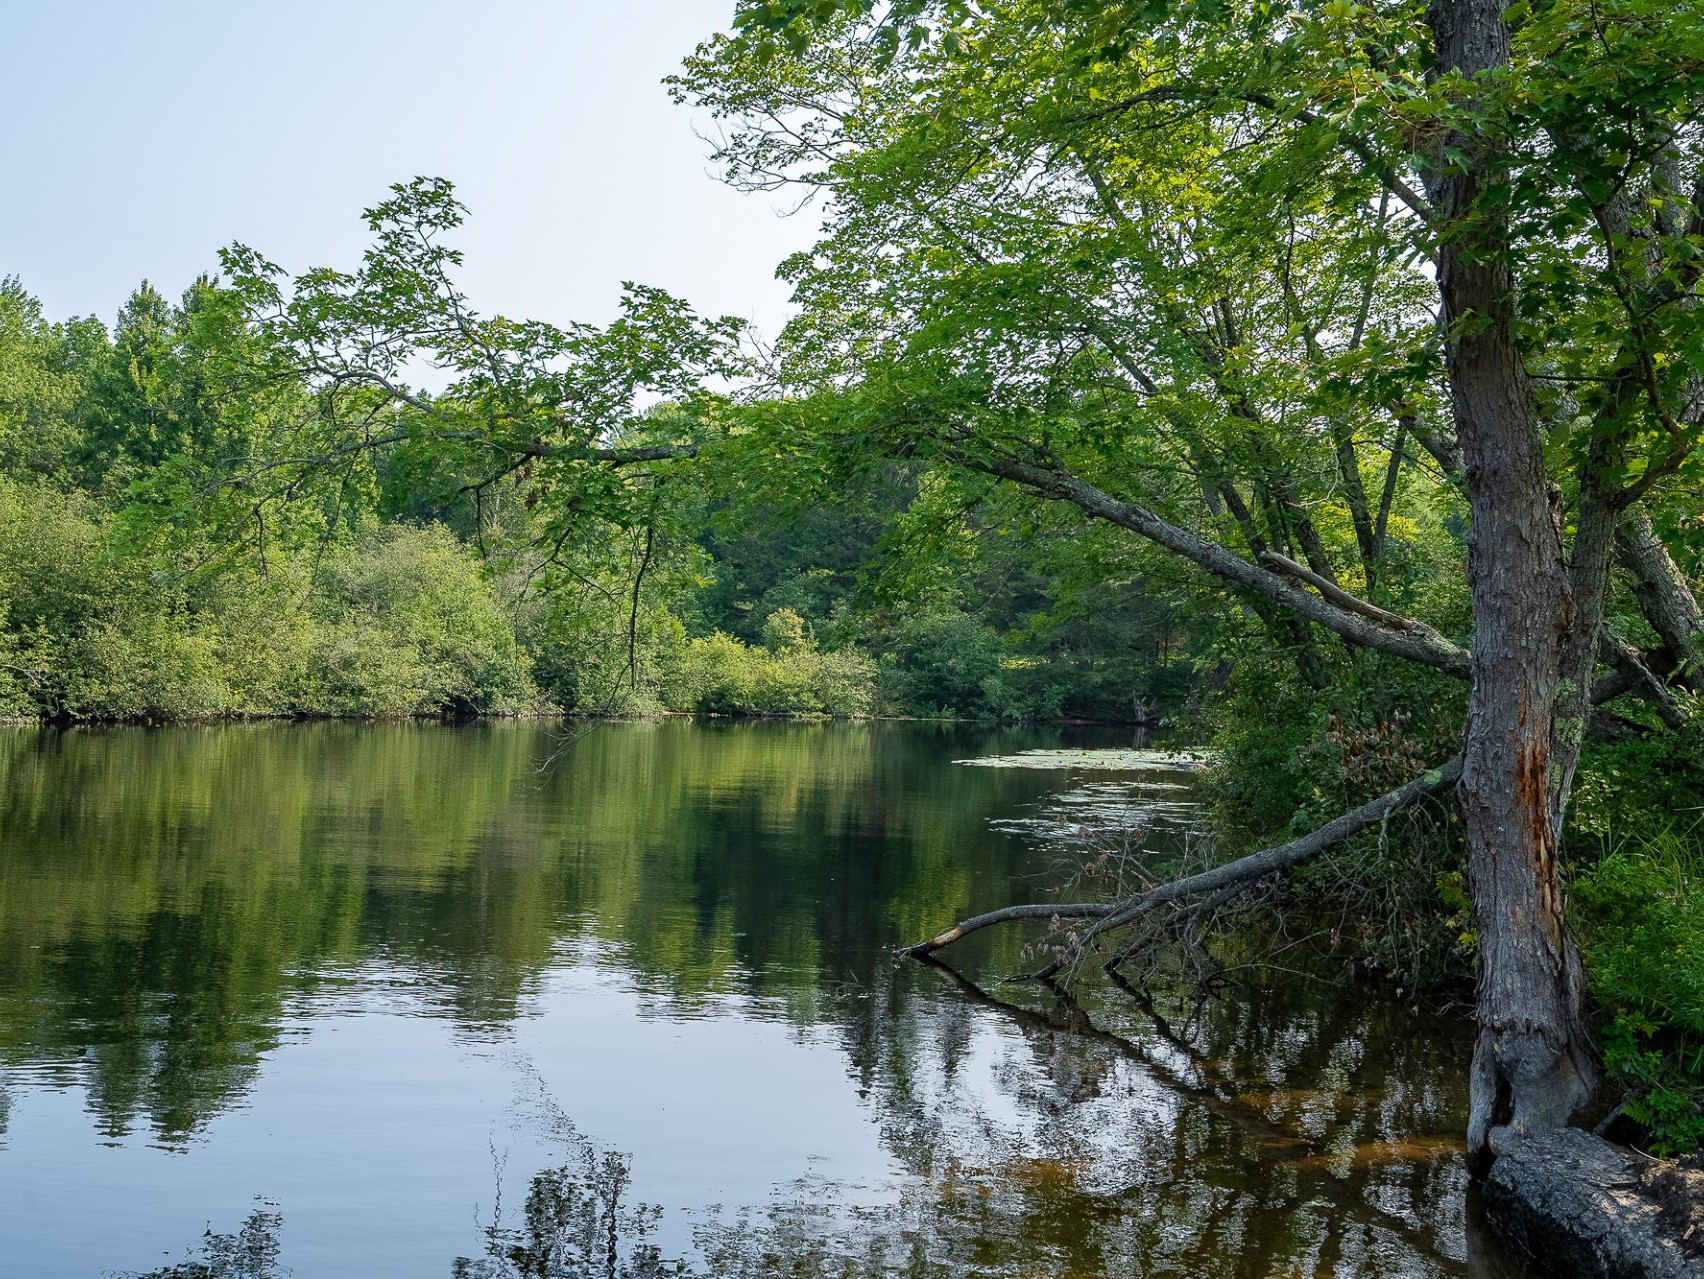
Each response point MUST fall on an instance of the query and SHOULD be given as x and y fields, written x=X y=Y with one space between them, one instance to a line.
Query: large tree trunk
x=1531 y=1062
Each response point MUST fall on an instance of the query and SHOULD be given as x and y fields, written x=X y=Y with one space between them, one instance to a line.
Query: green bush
x=784 y=630
x=1636 y=784
x=407 y=626
x=719 y=674
x=1288 y=756
x=91 y=634
x=403 y=623
x=1640 y=915
x=945 y=661
x=844 y=682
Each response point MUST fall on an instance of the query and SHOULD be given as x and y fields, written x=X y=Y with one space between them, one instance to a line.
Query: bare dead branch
x=1342 y=598
x=1241 y=872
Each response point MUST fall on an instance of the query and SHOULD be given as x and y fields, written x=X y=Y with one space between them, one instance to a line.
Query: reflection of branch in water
x=575 y=1226
x=251 y=1252
x=1162 y=1027
x=1301 y=1154
x=1073 y=1019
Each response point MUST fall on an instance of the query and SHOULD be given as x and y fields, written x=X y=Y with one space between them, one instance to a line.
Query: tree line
x=204 y=515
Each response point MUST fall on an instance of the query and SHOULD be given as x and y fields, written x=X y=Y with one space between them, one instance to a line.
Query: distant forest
x=164 y=555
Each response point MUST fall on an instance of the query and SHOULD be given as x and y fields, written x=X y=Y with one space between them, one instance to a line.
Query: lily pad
x=1111 y=760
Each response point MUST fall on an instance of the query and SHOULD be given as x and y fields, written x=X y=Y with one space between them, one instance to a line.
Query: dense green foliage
x=1639 y=902
x=1176 y=265
x=164 y=555
x=1642 y=911
x=399 y=622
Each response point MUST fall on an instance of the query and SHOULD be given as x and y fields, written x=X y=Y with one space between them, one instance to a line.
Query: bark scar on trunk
x=1532 y=792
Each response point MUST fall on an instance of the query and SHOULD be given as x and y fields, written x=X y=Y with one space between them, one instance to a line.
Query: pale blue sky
x=139 y=138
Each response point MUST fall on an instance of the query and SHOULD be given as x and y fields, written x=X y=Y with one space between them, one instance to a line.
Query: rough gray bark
x=1532 y=1065
x=1574 y=1202
x=1663 y=594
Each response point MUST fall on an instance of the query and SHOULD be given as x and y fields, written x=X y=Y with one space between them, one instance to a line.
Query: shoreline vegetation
x=535 y=715
x=112 y=609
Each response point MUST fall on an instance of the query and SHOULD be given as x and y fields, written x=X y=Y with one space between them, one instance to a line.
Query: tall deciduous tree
x=1209 y=270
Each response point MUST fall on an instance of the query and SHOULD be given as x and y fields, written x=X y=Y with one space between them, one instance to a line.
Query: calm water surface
x=404 y=1001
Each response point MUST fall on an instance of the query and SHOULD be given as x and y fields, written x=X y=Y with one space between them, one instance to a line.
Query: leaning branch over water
x=1408 y=638
x=1238 y=874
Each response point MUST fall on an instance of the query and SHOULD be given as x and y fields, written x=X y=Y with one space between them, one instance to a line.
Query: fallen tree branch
x=1239 y=873
x=1245 y=871
x=1007 y=915
x=1342 y=598
x=1193 y=914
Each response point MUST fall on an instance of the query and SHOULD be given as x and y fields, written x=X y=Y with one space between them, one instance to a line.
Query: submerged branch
x=1007 y=915
x=1238 y=874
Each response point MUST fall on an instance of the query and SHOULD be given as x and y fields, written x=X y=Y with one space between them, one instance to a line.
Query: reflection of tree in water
x=171 y=900
x=576 y=1225
x=251 y=1252
x=1267 y=1139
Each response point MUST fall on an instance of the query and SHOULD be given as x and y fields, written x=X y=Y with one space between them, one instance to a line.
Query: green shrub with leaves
x=409 y=626
x=1638 y=783
x=1288 y=756
x=719 y=674
x=402 y=623
x=1640 y=912
x=90 y=632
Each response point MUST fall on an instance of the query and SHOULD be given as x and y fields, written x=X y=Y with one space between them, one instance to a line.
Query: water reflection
x=1231 y=1174
x=385 y=976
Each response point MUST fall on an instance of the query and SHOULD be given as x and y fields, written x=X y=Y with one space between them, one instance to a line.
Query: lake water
x=414 y=1000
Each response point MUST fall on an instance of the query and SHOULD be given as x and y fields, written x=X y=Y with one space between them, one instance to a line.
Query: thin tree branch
x=1342 y=598
x=1243 y=871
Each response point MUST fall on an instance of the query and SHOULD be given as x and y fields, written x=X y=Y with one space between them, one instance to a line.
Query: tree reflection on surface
x=359 y=969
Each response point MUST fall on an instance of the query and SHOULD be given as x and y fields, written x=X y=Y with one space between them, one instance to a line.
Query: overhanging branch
x=1411 y=640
